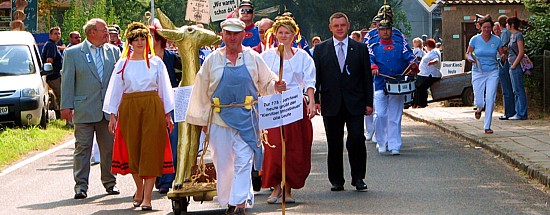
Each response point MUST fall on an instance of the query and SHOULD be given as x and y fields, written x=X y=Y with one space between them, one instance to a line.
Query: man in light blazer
x=83 y=85
x=344 y=95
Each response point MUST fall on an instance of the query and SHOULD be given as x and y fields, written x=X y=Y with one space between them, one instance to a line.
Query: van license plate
x=4 y=110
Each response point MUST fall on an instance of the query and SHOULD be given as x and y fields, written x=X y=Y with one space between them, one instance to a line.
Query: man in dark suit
x=344 y=95
x=87 y=69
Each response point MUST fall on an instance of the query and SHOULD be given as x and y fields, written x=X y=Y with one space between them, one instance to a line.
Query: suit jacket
x=81 y=87
x=335 y=87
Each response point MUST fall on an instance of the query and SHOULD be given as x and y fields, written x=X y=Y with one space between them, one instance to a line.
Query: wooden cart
x=454 y=86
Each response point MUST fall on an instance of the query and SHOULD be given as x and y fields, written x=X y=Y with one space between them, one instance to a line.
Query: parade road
x=435 y=174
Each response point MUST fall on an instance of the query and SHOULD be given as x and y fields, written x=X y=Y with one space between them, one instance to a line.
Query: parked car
x=24 y=97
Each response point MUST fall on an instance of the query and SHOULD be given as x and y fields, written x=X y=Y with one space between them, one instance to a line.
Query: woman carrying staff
x=298 y=71
x=429 y=73
x=515 y=55
x=139 y=99
x=482 y=52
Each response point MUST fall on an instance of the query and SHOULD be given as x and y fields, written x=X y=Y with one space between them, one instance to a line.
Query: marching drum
x=408 y=98
x=401 y=85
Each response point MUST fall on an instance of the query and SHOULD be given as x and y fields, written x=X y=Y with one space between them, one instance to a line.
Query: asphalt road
x=435 y=174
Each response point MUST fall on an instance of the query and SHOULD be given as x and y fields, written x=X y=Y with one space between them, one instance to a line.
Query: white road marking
x=36 y=157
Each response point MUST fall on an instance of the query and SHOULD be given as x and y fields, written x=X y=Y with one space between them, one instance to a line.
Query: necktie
x=341 y=56
x=99 y=62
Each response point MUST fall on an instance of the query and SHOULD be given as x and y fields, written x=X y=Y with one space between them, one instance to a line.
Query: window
x=15 y=60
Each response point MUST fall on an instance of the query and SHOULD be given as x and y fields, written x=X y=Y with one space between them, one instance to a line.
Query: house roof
x=489 y=2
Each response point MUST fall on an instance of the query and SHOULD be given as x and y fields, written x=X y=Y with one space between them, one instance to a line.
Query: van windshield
x=15 y=60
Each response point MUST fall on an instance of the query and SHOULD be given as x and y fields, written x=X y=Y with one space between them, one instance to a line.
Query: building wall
x=455 y=16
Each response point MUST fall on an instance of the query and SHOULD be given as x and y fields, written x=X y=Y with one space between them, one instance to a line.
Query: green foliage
x=538 y=7
x=537 y=37
x=16 y=142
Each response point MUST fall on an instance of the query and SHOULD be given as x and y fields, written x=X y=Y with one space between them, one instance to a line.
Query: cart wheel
x=468 y=96
x=180 y=206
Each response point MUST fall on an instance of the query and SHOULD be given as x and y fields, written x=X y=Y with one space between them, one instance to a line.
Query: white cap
x=233 y=24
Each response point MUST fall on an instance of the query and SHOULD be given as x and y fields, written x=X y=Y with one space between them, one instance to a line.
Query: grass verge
x=19 y=141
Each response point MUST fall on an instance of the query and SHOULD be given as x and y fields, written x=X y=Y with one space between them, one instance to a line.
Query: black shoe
x=503 y=117
x=146 y=208
x=113 y=190
x=336 y=187
x=164 y=190
x=80 y=195
x=359 y=185
x=230 y=209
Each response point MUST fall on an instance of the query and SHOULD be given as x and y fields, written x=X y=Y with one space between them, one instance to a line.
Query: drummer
x=389 y=58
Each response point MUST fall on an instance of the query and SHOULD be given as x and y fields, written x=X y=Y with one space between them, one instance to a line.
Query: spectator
x=430 y=66
x=356 y=35
x=418 y=49
x=517 y=50
x=482 y=51
x=263 y=25
x=74 y=38
x=504 y=73
x=51 y=54
x=314 y=41
x=114 y=37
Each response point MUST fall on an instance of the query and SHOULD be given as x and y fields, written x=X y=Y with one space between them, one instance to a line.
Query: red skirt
x=298 y=139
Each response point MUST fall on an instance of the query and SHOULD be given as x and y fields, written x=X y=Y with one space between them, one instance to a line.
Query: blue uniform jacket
x=390 y=58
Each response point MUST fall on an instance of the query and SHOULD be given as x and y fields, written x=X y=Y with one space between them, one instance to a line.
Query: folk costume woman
x=298 y=71
x=139 y=99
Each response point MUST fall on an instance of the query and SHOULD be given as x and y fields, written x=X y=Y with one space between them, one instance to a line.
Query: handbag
x=526 y=64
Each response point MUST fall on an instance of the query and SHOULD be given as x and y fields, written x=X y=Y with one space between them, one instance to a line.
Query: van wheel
x=44 y=119
x=468 y=96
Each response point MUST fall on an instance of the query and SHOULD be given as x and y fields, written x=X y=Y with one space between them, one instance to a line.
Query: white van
x=24 y=97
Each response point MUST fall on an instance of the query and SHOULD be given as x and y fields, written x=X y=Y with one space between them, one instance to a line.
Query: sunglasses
x=246 y=10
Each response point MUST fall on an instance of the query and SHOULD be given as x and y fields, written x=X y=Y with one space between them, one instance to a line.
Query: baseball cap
x=246 y=3
x=233 y=24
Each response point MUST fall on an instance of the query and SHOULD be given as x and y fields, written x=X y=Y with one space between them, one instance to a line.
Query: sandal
x=488 y=131
x=135 y=202
x=273 y=200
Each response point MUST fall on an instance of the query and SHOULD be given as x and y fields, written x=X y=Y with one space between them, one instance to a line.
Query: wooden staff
x=281 y=49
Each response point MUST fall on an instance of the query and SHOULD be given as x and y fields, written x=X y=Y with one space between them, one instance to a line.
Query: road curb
x=534 y=172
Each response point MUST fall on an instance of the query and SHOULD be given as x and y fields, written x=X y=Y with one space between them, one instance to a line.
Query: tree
x=536 y=36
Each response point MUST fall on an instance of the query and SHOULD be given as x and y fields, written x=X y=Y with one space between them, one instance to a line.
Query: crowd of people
x=119 y=96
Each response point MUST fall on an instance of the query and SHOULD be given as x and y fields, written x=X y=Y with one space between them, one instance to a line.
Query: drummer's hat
x=385 y=23
x=385 y=12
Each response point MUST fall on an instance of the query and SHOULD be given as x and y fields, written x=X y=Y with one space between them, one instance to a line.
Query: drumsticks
x=406 y=69
x=387 y=76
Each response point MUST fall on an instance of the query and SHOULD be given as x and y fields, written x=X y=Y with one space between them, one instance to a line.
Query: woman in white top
x=430 y=66
x=298 y=71
x=139 y=99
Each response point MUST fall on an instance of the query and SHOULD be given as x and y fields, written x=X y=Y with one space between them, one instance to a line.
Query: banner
x=429 y=5
x=280 y=109
x=220 y=8
x=198 y=11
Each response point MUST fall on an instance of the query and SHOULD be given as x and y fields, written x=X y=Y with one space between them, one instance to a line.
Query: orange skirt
x=142 y=144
